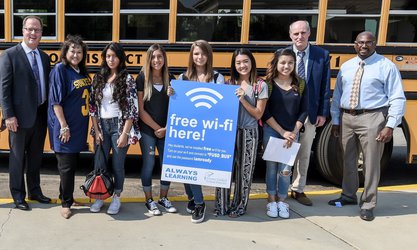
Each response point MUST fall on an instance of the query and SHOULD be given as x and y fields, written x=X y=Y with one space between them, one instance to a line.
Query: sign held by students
x=201 y=133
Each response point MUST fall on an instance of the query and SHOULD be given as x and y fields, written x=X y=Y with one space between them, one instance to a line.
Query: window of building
x=45 y=9
x=214 y=21
x=402 y=24
x=89 y=18
x=270 y=19
x=1 y=20
x=144 y=20
x=346 y=19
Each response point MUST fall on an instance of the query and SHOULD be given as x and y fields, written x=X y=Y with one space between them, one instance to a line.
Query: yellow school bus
x=259 y=25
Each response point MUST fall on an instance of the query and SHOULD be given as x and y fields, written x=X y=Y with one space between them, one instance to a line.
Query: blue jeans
x=194 y=192
x=110 y=135
x=278 y=175
x=147 y=145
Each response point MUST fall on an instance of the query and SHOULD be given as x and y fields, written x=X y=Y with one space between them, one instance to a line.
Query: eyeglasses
x=361 y=43
x=30 y=30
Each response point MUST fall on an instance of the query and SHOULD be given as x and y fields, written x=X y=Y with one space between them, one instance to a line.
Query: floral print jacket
x=132 y=111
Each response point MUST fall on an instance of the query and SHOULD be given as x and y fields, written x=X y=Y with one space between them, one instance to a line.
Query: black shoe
x=367 y=214
x=22 y=205
x=190 y=206
x=198 y=214
x=342 y=202
x=40 y=198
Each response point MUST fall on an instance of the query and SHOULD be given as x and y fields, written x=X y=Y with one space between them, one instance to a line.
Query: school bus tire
x=329 y=159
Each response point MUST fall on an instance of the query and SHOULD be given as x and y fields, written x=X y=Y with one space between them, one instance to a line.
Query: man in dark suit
x=24 y=71
x=313 y=65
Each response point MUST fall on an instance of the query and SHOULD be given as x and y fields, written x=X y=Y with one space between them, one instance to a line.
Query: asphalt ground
x=318 y=227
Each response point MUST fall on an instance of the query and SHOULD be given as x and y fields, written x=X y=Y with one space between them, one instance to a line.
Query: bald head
x=365 y=44
x=299 y=34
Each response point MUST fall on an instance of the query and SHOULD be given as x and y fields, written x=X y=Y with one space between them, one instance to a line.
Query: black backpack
x=99 y=182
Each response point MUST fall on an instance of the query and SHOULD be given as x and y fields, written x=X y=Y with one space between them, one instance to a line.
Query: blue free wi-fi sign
x=201 y=133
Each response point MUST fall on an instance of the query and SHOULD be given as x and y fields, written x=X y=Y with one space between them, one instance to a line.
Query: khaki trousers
x=302 y=162
x=360 y=132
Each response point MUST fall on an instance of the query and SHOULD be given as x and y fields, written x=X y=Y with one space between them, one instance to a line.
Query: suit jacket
x=18 y=88
x=318 y=82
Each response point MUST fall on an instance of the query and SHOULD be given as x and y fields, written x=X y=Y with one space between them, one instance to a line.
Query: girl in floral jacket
x=114 y=114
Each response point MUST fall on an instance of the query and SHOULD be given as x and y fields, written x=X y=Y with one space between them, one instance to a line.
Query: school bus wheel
x=329 y=158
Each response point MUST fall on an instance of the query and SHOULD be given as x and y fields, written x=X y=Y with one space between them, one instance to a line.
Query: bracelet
x=126 y=133
x=63 y=130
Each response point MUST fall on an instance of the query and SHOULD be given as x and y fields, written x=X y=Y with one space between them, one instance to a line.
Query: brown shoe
x=301 y=198
x=66 y=212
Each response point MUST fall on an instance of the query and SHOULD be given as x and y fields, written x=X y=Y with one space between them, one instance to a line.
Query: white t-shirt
x=108 y=108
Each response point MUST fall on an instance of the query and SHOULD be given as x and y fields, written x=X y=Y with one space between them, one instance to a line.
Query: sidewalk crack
x=322 y=228
x=5 y=222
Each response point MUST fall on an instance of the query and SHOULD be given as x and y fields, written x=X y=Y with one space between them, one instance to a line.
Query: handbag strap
x=100 y=160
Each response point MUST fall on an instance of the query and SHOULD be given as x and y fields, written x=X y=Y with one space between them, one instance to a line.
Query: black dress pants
x=67 y=163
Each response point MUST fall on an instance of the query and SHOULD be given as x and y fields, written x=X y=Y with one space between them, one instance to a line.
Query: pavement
x=318 y=227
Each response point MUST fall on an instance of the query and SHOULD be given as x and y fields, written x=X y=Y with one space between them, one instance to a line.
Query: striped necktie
x=301 y=65
x=35 y=70
x=354 y=94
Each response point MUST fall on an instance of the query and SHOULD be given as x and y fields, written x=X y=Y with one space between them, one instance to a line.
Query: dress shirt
x=29 y=55
x=305 y=58
x=381 y=86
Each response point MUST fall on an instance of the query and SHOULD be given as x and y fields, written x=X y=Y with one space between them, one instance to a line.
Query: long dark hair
x=234 y=75
x=120 y=86
x=272 y=72
x=76 y=41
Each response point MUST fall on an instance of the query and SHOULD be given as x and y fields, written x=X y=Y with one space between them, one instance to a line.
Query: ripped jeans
x=278 y=175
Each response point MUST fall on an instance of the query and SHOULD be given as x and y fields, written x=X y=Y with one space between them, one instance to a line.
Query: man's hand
x=335 y=130
x=11 y=124
x=320 y=121
x=385 y=135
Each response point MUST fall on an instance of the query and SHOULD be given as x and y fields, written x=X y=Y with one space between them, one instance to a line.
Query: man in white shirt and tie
x=368 y=103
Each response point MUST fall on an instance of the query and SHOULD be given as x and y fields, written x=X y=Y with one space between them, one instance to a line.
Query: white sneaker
x=152 y=207
x=114 y=205
x=96 y=207
x=283 y=210
x=272 y=210
x=165 y=203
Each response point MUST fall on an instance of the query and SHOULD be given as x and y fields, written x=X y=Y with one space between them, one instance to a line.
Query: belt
x=355 y=112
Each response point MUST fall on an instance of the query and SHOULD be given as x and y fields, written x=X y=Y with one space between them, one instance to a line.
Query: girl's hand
x=98 y=138
x=170 y=91
x=290 y=136
x=160 y=133
x=240 y=93
x=122 y=141
x=287 y=144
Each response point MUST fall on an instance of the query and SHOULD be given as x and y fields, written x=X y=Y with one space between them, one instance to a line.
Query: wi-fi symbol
x=202 y=97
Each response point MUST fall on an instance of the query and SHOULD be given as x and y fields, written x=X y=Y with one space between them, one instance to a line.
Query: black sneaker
x=190 y=206
x=198 y=214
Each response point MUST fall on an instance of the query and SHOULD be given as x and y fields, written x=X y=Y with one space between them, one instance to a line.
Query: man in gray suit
x=24 y=71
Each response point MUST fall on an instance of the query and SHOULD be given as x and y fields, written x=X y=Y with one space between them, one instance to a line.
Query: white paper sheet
x=275 y=151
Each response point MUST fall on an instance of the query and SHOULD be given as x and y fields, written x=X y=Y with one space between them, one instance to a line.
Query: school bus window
x=216 y=21
x=1 y=23
x=360 y=15
x=90 y=19
x=45 y=9
x=270 y=19
x=402 y=24
x=88 y=6
x=144 y=20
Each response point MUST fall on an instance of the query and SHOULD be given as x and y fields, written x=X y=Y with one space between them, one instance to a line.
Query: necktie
x=354 y=94
x=35 y=70
x=301 y=65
